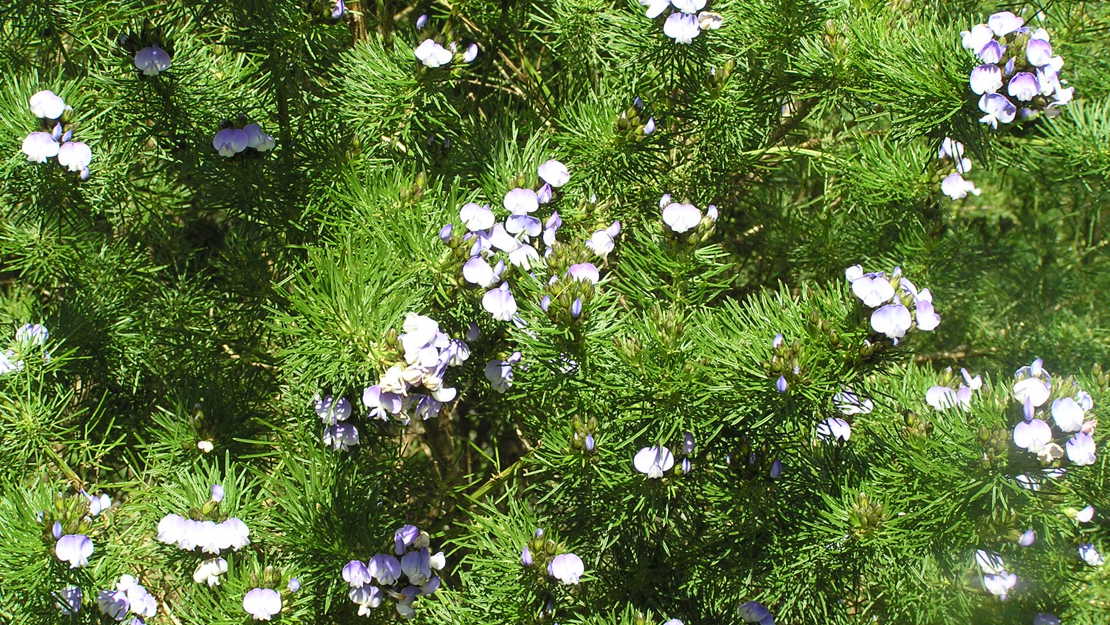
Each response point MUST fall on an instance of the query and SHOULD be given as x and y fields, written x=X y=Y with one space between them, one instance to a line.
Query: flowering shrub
x=595 y=313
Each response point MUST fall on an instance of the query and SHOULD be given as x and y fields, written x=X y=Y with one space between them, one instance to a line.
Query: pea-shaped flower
x=152 y=60
x=566 y=567
x=75 y=549
x=653 y=461
x=47 y=105
x=262 y=603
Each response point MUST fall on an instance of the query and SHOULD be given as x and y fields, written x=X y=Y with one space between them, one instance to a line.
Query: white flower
x=262 y=603
x=957 y=187
x=681 y=217
x=1067 y=414
x=47 y=104
x=74 y=549
x=432 y=54
x=682 y=27
x=554 y=173
x=209 y=571
x=74 y=156
x=566 y=567
x=833 y=429
x=39 y=146
x=1089 y=554
x=653 y=461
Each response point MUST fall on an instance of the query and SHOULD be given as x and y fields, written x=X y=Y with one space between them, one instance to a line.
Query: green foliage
x=198 y=305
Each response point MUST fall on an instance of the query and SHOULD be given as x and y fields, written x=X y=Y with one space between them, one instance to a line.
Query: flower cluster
x=210 y=536
x=1019 y=61
x=427 y=353
x=27 y=336
x=491 y=247
x=681 y=218
x=403 y=576
x=566 y=568
x=42 y=145
x=129 y=597
x=151 y=60
x=1033 y=388
x=684 y=22
x=994 y=576
x=230 y=140
x=942 y=397
x=954 y=185
x=334 y=413
x=433 y=55
x=892 y=297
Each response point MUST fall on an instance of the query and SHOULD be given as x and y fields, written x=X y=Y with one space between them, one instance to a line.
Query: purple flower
x=777 y=341
x=500 y=372
x=688 y=443
x=421 y=21
x=927 y=318
x=69 y=600
x=521 y=201
x=781 y=385
x=566 y=567
x=1038 y=52
x=294 y=585
x=217 y=493
x=957 y=187
x=755 y=612
x=1024 y=86
x=230 y=141
x=47 y=105
x=446 y=231
x=991 y=52
x=891 y=320
x=544 y=194
x=554 y=173
x=776 y=469
x=75 y=549
x=682 y=27
x=257 y=139
x=527 y=224
x=262 y=603
x=381 y=404
x=848 y=403
x=653 y=461
x=1028 y=537
x=584 y=272
x=681 y=217
x=404 y=537
x=1004 y=22
x=649 y=126
x=151 y=60
x=385 y=568
x=590 y=443
x=113 y=604
x=417 y=566
x=341 y=436
x=526 y=556
x=470 y=53
x=1032 y=435
x=986 y=78
x=32 y=334
x=576 y=308
x=499 y=302
x=834 y=429
x=1081 y=449
x=339 y=10
x=39 y=146
x=998 y=109
x=432 y=54
x=331 y=410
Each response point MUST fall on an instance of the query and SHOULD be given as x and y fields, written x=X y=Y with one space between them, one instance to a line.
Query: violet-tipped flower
x=74 y=549
x=653 y=461
x=151 y=60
